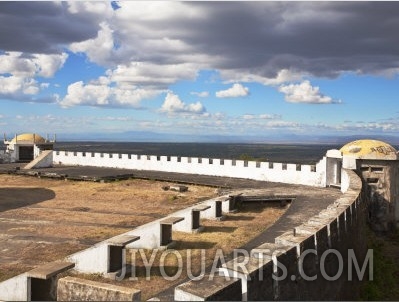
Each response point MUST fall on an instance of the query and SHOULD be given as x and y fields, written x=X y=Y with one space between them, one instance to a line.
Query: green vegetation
x=386 y=268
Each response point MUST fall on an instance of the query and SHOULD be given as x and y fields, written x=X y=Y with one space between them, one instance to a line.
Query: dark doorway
x=25 y=153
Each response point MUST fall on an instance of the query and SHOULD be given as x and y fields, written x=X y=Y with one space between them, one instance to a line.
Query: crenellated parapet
x=310 y=175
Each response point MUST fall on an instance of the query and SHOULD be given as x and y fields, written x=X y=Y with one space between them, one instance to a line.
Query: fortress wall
x=311 y=254
x=264 y=171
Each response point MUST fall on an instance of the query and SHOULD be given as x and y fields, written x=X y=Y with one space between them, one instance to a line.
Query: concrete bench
x=43 y=280
x=196 y=219
x=217 y=288
x=166 y=230
x=116 y=250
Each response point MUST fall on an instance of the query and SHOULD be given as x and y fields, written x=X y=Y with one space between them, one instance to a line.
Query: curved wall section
x=318 y=256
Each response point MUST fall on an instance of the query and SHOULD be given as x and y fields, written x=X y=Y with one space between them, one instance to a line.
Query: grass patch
x=384 y=285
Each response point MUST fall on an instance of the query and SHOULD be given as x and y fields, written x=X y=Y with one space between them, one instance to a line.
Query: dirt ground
x=216 y=242
x=42 y=220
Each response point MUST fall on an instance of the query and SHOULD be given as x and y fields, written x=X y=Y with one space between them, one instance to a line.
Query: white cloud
x=173 y=104
x=101 y=92
x=237 y=90
x=18 y=72
x=127 y=85
x=48 y=65
x=98 y=49
x=305 y=93
x=13 y=85
x=152 y=75
x=28 y=66
x=283 y=76
x=202 y=94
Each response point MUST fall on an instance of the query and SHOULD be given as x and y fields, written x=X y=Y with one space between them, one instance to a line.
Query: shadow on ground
x=13 y=198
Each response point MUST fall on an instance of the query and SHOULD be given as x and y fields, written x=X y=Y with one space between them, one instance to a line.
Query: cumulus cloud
x=151 y=45
x=237 y=90
x=98 y=49
x=19 y=64
x=148 y=74
x=173 y=104
x=18 y=72
x=305 y=93
x=102 y=92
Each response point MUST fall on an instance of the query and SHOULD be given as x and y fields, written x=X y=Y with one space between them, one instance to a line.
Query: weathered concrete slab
x=76 y=289
x=49 y=270
x=172 y=220
x=123 y=240
x=201 y=208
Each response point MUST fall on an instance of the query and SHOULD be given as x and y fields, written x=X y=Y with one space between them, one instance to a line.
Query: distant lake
x=287 y=153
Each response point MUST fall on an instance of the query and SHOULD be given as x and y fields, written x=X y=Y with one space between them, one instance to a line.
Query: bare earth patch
x=42 y=220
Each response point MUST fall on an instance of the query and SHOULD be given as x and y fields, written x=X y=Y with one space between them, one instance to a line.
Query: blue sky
x=199 y=68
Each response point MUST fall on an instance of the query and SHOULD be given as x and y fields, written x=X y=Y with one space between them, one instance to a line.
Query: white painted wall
x=273 y=172
x=91 y=260
x=15 y=289
x=345 y=181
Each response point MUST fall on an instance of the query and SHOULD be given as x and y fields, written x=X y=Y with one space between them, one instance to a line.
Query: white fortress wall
x=265 y=171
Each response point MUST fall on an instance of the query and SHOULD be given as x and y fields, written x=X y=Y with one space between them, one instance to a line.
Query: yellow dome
x=370 y=149
x=28 y=138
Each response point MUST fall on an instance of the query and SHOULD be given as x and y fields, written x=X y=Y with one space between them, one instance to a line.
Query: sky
x=257 y=69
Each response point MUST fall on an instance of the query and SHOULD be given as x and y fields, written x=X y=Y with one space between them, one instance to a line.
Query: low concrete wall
x=266 y=171
x=76 y=289
x=95 y=259
x=15 y=289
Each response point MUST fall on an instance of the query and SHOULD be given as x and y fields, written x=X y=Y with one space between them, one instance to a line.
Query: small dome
x=28 y=138
x=370 y=149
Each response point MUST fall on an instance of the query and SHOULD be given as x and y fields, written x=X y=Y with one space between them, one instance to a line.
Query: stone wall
x=265 y=171
x=76 y=289
x=305 y=263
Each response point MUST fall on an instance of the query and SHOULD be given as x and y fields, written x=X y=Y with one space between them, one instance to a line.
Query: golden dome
x=28 y=138
x=370 y=149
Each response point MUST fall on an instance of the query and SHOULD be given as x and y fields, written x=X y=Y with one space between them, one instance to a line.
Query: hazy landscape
x=290 y=153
